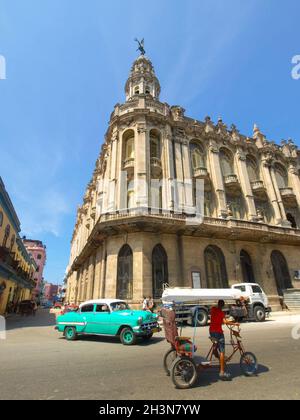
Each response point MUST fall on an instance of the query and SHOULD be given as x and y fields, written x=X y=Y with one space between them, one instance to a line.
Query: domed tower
x=142 y=80
x=138 y=229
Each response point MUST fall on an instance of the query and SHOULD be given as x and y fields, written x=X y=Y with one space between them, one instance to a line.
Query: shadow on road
x=211 y=375
x=41 y=319
x=116 y=340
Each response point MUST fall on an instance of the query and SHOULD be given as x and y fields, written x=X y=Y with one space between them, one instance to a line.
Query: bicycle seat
x=213 y=340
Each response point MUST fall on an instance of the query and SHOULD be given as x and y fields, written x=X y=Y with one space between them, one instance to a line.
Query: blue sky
x=66 y=65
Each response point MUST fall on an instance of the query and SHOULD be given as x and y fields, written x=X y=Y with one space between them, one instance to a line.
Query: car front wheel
x=127 y=337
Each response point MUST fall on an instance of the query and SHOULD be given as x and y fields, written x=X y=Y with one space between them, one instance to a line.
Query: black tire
x=169 y=358
x=259 y=314
x=202 y=318
x=127 y=337
x=248 y=364
x=70 y=333
x=184 y=373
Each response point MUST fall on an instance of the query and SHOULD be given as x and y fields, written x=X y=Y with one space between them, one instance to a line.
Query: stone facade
x=130 y=238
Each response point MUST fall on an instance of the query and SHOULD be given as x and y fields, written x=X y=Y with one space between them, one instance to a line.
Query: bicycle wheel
x=169 y=358
x=184 y=372
x=248 y=364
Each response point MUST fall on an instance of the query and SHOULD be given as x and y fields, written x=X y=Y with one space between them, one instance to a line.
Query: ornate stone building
x=251 y=229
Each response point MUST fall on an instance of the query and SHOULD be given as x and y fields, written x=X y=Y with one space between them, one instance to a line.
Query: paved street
x=38 y=363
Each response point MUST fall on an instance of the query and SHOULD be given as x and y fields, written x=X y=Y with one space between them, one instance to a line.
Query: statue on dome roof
x=141 y=46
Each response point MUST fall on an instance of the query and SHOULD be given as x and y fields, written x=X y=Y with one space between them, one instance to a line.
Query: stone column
x=113 y=173
x=179 y=187
x=103 y=272
x=141 y=159
x=97 y=281
x=90 y=277
x=138 y=269
x=278 y=195
x=121 y=181
x=271 y=191
x=106 y=181
x=111 y=275
x=187 y=175
x=246 y=185
x=168 y=171
x=217 y=178
x=79 y=285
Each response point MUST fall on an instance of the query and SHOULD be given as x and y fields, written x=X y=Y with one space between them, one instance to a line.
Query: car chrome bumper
x=142 y=331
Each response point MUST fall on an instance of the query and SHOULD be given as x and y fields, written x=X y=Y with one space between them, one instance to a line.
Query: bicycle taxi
x=181 y=361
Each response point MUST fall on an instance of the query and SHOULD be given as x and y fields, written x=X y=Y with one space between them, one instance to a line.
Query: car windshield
x=119 y=306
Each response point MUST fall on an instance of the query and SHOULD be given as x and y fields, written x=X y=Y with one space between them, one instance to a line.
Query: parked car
x=108 y=317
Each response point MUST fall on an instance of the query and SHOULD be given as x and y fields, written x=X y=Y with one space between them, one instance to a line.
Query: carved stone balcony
x=156 y=167
x=232 y=183
x=259 y=189
x=288 y=197
x=128 y=163
x=200 y=173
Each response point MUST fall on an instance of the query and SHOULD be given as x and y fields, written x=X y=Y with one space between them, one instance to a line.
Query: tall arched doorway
x=216 y=274
x=124 y=282
x=247 y=269
x=281 y=272
x=159 y=270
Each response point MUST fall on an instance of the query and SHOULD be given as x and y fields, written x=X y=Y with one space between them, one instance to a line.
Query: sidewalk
x=284 y=313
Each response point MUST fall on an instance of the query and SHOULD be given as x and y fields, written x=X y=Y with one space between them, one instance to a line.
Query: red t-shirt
x=216 y=320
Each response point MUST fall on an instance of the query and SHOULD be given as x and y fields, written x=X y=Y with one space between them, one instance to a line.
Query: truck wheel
x=259 y=314
x=70 y=333
x=202 y=318
x=127 y=337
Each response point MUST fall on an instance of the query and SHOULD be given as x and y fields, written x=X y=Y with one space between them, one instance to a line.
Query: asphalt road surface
x=38 y=363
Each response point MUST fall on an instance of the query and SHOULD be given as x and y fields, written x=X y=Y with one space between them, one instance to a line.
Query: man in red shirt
x=217 y=319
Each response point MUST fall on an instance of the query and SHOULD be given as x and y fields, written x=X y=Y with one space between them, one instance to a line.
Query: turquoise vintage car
x=109 y=317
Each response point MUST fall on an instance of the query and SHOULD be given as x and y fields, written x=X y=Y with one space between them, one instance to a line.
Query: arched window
x=159 y=270
x=252 y=169
x=197 y=156
x=216 y=274
x=226 y=160
x=6 y=236
x=147 y=90
x=1 y=218
x=124 y=281
x=137 y=90
x=247 y=269
x=281 y=176
x=281 y=272
x=292 y=220
x=128 y=139
x=155 y=149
